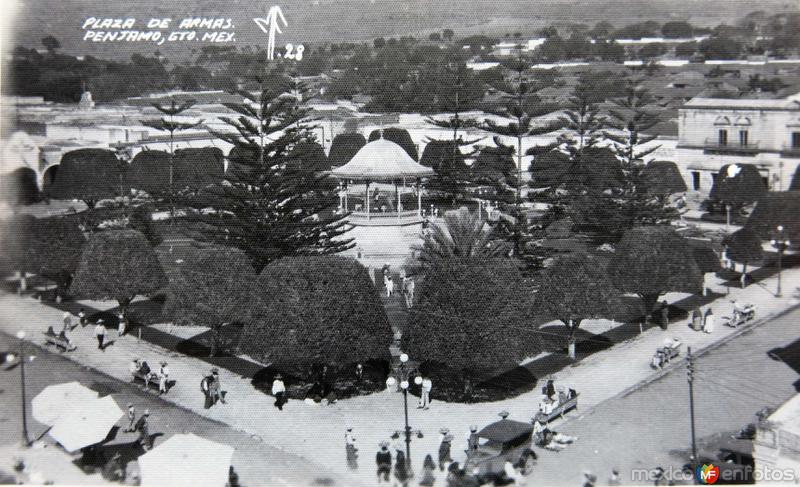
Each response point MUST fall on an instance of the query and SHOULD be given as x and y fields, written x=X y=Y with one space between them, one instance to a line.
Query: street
x=255 y=462
x=650 y=427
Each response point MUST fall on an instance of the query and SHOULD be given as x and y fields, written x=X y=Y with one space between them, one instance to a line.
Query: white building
x=715 y=132
x=776 y=449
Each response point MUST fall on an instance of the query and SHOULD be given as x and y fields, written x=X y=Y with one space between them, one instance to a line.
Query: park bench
x=151 y=379
x=560 y=410
x=60 y=341
x=748 y=314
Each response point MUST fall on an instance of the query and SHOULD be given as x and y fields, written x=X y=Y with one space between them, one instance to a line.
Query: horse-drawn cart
x=740 y=317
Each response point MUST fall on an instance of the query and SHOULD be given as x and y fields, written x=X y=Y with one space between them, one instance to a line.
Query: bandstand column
x=346 y=190
x=399 y=203
x=367 y=198
x=419 y=199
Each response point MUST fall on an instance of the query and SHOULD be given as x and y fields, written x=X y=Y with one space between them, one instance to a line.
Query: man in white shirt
x=100 y=333
x=425 y=396
x=163 y=375
x=279 y=391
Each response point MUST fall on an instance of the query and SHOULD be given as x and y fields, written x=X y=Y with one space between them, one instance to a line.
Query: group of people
x=555 y=397
x=140 y=426
x=140 y=368
x=407 y=285
x=547 y=438
x=703 y=321
x=211 y=387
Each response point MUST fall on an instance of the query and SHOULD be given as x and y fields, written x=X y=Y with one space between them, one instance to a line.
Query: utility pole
x=690 y=378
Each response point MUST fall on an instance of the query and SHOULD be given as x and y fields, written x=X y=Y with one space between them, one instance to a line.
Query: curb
x=682 y=361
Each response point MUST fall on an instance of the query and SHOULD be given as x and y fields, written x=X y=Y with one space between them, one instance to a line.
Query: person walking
x=216 y=387
x=428 y=467
x=67 y=321
x=205 y=387
x=550 y=389
x=614 y=479
x=143 y=427
x=351 y=452
x=131 y=418
x=359 y=372
x=664 y=314
x=708 y=321
x=279 y=391
x=425 y=395
x=444 y=449
x=163 y=375
x=100 y=333
x=401 y=472
x=82 y=317
x=384 y=461
x=697 y=320
x=122 y=324
x=472 y=440
x=589 y=479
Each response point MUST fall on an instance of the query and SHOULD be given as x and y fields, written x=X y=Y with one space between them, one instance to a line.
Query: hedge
x=344 y=147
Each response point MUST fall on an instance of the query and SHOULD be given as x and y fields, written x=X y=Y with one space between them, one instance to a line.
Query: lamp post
x=403 y=373
x=21 y=336
x=780 y=243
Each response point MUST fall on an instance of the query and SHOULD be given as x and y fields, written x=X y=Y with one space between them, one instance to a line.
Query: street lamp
x=404 y=373
x=21 y=336
x=780 y=243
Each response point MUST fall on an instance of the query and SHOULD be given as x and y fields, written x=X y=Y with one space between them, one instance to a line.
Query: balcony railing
x=790 y=150
x=714 y=145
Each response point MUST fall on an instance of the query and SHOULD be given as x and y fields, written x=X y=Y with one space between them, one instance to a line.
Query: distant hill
x=314 y=21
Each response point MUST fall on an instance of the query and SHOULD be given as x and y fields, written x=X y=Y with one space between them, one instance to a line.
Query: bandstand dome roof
x=381 y=159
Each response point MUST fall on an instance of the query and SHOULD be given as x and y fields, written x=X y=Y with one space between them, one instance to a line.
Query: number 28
x=294 y=53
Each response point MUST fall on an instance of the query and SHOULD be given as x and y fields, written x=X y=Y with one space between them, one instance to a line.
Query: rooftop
x=788 y=416
x=743 y=103
x=381 y=159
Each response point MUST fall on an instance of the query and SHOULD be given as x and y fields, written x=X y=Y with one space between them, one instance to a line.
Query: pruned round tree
x=149 y=172
x=55 y=249
x=744 y=247
x=89 y=175
x=576 y=288
x=309 y=156
x=442 y=155
x=210 y=287
x=196 y=168
x=776 y=209
x=119 y=265
x=737 y=185
x=313 y=311
x=663 y=178
x=473 y=317
x=653 y=260
x=494 y=164
x=400 y=137
x=344 y=147
x=20 y=187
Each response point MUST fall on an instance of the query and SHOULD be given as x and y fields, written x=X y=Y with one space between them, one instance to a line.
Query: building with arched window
x=713 y=132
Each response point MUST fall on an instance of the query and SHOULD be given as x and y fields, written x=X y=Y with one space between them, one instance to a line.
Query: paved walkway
x=255 y=462
x=317 y=432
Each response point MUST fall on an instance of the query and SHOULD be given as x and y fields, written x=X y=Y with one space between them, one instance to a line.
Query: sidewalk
x=317 y=432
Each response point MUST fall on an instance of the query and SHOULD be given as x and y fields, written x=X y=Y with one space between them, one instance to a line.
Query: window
x=743 y=138
x=696 y=180
x=723 y=137
x=795 y=140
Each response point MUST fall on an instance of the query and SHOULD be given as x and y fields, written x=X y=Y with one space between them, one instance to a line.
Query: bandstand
x=381 y=190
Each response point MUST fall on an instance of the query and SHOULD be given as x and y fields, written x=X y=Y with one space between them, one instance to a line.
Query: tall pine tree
x=269 y=206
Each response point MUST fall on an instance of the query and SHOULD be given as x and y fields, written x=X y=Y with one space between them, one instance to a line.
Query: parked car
x=504 y=440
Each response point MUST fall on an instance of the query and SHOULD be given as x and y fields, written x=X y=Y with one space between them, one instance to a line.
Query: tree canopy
x=89 y=175
x=344 y=147
x=737 y=185
x=316 y=310
x=310 y=156
x=663 y=177
x=652 y=260
x=196 y=168
x=473 y=316
x=120 y=265
x=211 y=287
x=149 y=172
x=744 y=246
x=268 y=207
x=576 y=288
x=20 y=187
x=399 y=136
x=774 y=209
x=55 y=249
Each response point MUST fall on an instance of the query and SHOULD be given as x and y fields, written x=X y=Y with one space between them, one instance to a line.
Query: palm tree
x=462 y=234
